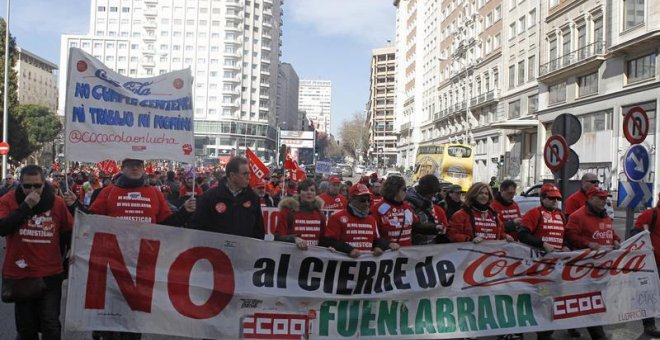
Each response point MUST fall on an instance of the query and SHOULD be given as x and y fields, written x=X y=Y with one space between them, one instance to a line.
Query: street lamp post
x=5 y=106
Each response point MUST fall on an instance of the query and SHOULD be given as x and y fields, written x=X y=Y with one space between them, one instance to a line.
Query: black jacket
x=218 y=210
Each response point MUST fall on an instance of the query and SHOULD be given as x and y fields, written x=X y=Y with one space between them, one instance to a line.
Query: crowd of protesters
x=372 y=216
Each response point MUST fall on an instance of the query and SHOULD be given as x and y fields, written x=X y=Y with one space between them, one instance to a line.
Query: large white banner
x=147 y=278
x=112 y=116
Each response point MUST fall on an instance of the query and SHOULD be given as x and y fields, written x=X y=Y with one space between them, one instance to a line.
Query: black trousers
x=41 y=315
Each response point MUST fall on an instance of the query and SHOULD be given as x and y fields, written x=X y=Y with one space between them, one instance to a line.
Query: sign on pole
x=112 y=116
x=634 y=195
x=4 y=148
x=567 y=126
x=637 y=163
x=571 y=167
x=636 y=125
x=555 y=153
x=323 y=167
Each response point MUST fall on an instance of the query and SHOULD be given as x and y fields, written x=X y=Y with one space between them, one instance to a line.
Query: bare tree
x=354 y=136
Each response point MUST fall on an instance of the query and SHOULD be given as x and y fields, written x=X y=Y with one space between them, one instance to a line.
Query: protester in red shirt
x=185 y=189
x=432 y=226
x=579 y=198
x=543 y=227
x=264 y=199
x=507 y=209
x=376 y=196
x=476 y=221
x=34 y=221
x=394 y=215
x=648 y=220
x=353 y=230
x=591 y=227
x=300 y=219
x=331 y=198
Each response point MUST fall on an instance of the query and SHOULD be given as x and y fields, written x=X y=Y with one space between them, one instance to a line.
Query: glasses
x=364 y=199
x=554 y=198
x=595 y=181
x=30 y=186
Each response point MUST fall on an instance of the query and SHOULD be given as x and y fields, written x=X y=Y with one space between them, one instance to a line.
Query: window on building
x=514 y=109
x=113 y=9
x=512 y=76
x=522 y=24
x=125 y=9
x=566 y=46
x=521 y=72
x=512 y=31
x=101 y=8
x=553 y=53
x=531 y=67
x=557 y=93
x=633 y=13
x=587 y=84
x=498 y=13
x=641 y=68
x=532 y=104
x=598 y=29
x=582 y=42
x=532 y=18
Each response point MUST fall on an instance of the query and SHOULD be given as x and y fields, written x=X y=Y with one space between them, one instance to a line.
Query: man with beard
x=432 y=226
x=453 y=201
x=506 y=208
x=34 y=221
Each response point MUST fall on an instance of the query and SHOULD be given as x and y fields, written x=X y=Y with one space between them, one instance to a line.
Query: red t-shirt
x=359 y=233
x=486 y=225
x=141 y=204
x=337 y=202
x=306 y=225
x=395 y=221
x=34 y=249
x=584 y=227
x=506 y=213
x=575 y=202
x=185 y=192
x=647 y=218
x=547 y=225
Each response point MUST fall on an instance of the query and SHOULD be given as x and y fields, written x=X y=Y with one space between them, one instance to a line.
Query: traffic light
x=282 y=157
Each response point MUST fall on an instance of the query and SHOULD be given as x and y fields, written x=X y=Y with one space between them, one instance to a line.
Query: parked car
x=346 y=170
x=359 y=170
x=392 y=173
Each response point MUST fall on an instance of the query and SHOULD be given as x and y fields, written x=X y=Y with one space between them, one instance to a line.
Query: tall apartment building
x=231 y=46
x=37 y=81
x=315 y=98
x=380 y=108
x=288 y=85
x=599 y=59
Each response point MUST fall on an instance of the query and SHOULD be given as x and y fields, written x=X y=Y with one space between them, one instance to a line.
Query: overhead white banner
x=147 y=278
x=112 y=116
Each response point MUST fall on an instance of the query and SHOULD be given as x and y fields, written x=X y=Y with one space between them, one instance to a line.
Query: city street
x=627 y=331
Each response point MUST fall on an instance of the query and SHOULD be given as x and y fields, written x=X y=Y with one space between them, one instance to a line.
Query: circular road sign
x=4 y=148
x=637 y=163
x=636 y=125
x=555 y=153
x=571 y=167
x=568 y=126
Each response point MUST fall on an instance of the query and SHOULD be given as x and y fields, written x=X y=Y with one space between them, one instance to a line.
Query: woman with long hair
x=477 y=221
x=300 y=219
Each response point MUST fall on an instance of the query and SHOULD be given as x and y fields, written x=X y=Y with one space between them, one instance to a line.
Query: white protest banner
x=112 y=116
x=145 y=278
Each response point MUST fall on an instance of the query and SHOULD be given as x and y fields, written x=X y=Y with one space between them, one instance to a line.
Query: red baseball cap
x=359 y=189
x=550 y=190
x=334 y=180
x=597 y=191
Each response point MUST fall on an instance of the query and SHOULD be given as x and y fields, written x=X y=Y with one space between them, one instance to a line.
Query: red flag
x=258 y=170
x=108 y=166
x=149 y=169
x=290 y=164
x=295 y=172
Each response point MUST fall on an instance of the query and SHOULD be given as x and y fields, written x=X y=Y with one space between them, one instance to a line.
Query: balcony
x=230 y=92
x=149 y=37
x=233 y=28
x=234 y=54
x=233 y=17
x=234 y=104
x=150 y=24
x=234 y=67
x=405 y=127
x=266 y=48
x=576 y=61
x=484 y=99
x=235 y=79
x=267 y=23
x=151 y=2
x=233 y=4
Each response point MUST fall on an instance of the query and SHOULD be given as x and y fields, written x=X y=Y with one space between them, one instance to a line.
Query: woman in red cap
x=301 y=220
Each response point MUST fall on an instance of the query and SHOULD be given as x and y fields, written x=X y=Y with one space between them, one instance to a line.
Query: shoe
x=573 y=333
x=652 y=331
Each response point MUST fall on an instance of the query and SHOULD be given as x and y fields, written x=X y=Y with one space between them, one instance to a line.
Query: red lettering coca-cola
x=603 y=235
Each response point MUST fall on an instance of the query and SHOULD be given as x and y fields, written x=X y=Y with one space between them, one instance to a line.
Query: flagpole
x=5 y=105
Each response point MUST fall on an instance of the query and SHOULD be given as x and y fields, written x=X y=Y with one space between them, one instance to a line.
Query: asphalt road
x=626 y=331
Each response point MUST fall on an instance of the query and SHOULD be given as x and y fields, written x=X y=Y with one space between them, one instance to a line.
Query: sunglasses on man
x=364 y=199
x=30 y=186
x=595 y=181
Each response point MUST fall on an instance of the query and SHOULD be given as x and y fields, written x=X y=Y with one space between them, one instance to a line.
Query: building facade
x=315 y=98
x=288 y=85
x=37 y=81
x=598 y=60
x=231 y=46
x=380 y=108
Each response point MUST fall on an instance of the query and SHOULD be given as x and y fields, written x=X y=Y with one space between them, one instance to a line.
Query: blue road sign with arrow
x=633 y=194
x=637 y=163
